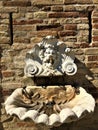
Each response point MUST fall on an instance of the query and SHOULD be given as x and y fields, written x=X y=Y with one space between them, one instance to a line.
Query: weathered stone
x=95 y=32
x=4 y=27
x=8 y=9
x=83 y=36
x=40 y=14
x=95 y=1
x=57 y=8
x=69 y=8
x=95 y=26
x=83 y=26
x=70 y=1
x=95 y=83
x=74 y=20
x=91 y=64
x=8 y=73
x=17 y=3
x=94 y=70
x=47 y=2
x=5 y=40
x=95 y=38
x=67 y=33
x=26 y=28
x=93 y=51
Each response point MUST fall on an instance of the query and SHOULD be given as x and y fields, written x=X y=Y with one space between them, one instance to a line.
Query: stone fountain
x=50 y=104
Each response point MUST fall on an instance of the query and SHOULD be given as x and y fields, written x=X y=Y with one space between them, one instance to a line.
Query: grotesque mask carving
x=50 y=57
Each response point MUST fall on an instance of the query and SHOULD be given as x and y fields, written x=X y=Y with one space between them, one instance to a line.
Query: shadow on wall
x=90 y=122
x=82 y=78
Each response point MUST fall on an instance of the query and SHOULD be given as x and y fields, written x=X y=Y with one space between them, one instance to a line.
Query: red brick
x=95 y=38
x=95 y=20
x=92 y=58
x=8 y=9
x=67 y=33
x=63 y=14
x=67 y=14
x=8 y=73
x=95 y=14
x=94 y=44
x=16 y=3
x=23 y=22
x=82 y=14
x=95 y=26
x=70 y=27
x=82 y=45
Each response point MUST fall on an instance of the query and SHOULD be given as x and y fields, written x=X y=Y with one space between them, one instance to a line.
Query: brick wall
x=25 y=23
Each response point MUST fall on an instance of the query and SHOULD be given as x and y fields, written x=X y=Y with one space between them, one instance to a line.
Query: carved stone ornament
x=50 y=57
x=52 y=105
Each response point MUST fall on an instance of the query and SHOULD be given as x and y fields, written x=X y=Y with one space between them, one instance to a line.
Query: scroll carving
x=50 y=57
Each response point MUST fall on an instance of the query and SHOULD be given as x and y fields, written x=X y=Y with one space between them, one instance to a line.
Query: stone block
x=67 y=33
x=78 y=2
x=5 y=40
x=57 y=8
x=8 y=73
x=95 y=26
x=91 y=64
x=94 y=70
x=92 y=58
x=8 y=9
x=95 y=1
x=63 y=14
x=70 y=26
x=40 y=15
x=17 y=3
x=91 y=51
x=47 y=2
x=82 y=26
x=69 y=8
x=95 y=38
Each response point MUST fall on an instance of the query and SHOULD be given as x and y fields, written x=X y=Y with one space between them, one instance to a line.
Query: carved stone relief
x=51 y=105
x=50 y=57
